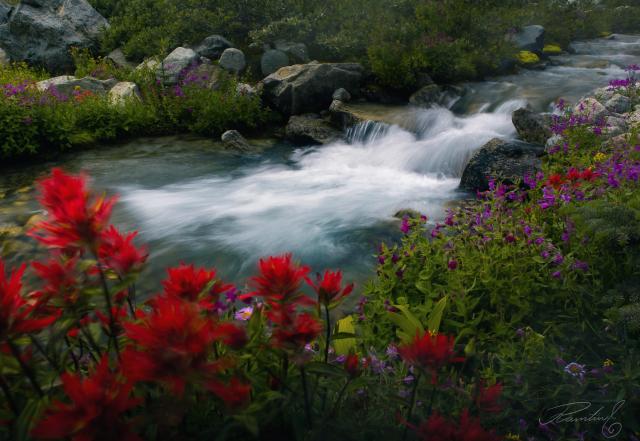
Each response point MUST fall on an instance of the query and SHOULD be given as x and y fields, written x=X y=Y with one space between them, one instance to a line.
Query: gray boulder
x=272 y=60
x=233 y=140
x=213 y=46
x=176 y=62
x=123 y=92
x=531 y=126
x=616 y=125
x=426 y=96
x=296 y=51
x=210 y=76
x=150 y=64
x=43 y=31
x=5 y=11
x=119 y=60
x=591 y=108
x=311 y=129
x=506 y=161
x=530 y=38
x=308 y=88
x=233 y=60
x=618 y=103
x=66 y=85
x=342 y=95
x=342 y=116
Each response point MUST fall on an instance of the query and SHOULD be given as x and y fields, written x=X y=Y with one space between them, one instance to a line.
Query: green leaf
x=343 y=345
x=328 y=370
x=406 y=321
x=435 y=318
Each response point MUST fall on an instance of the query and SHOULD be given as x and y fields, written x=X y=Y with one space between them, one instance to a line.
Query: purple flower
x=392 y=351
x=557 y=275
x=558 y=259
x=453 y=264
x=576 y=370
x=381 y=259
x=244 y=314
x=405 y=227
x=580 y=265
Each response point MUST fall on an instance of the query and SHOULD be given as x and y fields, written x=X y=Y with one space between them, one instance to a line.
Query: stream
x=329 y=205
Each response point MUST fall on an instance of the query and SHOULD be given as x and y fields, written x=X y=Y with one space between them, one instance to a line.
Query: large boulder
x=176 y=62
x=507 y=161
x=210 y=76
x=5 y=11
x=233 y=60
x=43 y=32
x=296 y=51
x=530 y=38
x=311 y=129
x=308 y=88
x=213 y=46
x=272 y=60
x=66 y=85
x=532 y=127
x=427 y=96
x=123 y=92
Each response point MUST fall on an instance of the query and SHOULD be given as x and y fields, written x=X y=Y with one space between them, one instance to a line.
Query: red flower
x=353 y=365
x=429 y=351
x=302 y=330
x=279 y=283
x=188 y=283
x=573 y=175
x=438 y=428
x=16 y=314
x=173 y=343
x=74 y=218
x=96 y=411
x=487 y=398
x=588 y=175
x=555 y=180
x=231 y=335
x=329 y=288
x=118 y=252
x=236 y=395
x=61 y=280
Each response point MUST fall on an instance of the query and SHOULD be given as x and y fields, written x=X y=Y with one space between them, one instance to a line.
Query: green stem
x=339 y=399
x=307 y=403
x=112 y=320
x=42 y=351
x=73 y=355
x=26 y=368
x=411 y=406
x=9 y=396
x=326 y=348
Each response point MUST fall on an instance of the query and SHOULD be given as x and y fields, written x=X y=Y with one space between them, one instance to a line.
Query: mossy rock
x=527 y=58
x=552 y=49
x=605 y=34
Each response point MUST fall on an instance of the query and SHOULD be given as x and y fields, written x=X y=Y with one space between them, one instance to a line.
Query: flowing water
x=331 y=205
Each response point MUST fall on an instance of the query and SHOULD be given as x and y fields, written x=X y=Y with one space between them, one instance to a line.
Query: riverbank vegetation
x=475 y=329
x=450 y=40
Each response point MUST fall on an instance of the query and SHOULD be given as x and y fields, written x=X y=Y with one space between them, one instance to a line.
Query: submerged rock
x=532 y=127
x=507 y=161
x=311 y=129
x=43 y=32
x=233 y=140
x=308 y=88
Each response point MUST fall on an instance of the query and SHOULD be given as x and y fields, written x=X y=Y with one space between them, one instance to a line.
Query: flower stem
x=73 y=355
x=411 y=406
x=112 y=320
x=339 y=399
x=26 y=368
x=307 y=403
x=326 y=348
x=9 y=396
x=42 y=350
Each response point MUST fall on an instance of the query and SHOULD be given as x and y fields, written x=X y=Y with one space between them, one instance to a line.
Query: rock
x=119 y=60
x=633 y=118
x=246 y=89
x=507 y=161
x=4 y=59
x=233 y=60
x=5 y=11
x=342 y=95
x=592 y=108
x=272 y=60
x=408 y=213
x=427 y=96
x=308 y=88
x=233 y=140
x=618 y=103
x=603 y=94
x=530 y=38
x=150 y=64
x=42 y=32
x=211 y=76
x=377 y=94
x=177 y=61
x=553 y=141
x=296 y=51
x=616 y=126
x=311 y=129
x=123 y=92
x=531 y=126
x=213 y=46
x=342 y=116
x=66 y=85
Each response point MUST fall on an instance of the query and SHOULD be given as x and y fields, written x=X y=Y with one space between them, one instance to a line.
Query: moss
x=605 y=34
x=527 y=57
x=552 y=49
